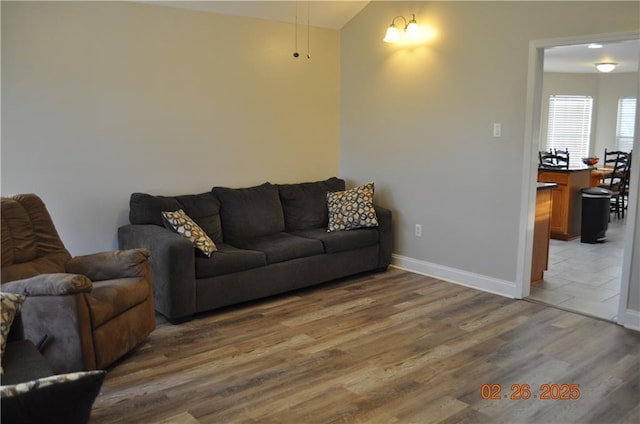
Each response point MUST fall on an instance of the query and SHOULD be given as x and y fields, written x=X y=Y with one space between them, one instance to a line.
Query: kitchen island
x=567 y=200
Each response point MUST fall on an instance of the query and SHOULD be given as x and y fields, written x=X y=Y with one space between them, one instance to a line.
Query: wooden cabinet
x=567 y=200
x=542 y=232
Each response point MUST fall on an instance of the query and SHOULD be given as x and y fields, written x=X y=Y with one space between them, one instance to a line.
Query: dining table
x=598 y=174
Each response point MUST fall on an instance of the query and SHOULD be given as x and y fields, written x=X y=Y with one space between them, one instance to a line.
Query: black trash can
x=595 y=214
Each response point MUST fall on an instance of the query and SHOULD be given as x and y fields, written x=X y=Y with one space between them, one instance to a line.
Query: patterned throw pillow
x=351 y=209
x=20 y=388
x=185 y=226
x=11 y=305
x=65 y=398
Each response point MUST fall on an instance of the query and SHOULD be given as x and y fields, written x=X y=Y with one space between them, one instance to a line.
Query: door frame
x=529 y=169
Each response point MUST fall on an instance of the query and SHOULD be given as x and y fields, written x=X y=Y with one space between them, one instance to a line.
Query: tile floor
x=583 y=277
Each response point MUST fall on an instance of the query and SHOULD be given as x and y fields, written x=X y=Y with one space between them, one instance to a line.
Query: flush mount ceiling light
x=605 y=66
x=595 y=46
x=411 y=30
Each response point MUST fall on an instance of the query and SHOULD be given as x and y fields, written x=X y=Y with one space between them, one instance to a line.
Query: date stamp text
x=524 y=391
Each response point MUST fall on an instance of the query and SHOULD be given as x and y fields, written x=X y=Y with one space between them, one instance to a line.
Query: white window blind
x=569 y=126
x=625 y=126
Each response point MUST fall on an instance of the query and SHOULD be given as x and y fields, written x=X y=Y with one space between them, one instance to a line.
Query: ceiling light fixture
x=595 y=46
x=411 y=30
x=606 y=66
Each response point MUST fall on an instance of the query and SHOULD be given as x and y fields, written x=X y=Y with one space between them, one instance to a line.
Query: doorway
x=581 y=277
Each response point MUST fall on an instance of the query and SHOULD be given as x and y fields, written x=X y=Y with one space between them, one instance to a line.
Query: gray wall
x=418 y=119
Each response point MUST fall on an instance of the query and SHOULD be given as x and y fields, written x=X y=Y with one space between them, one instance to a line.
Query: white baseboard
x=456 y=276
x=632 y=320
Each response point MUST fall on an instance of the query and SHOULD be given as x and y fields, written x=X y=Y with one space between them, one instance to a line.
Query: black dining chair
x=562 y=157
x=551 y=160
x=610 y=157
x=618 y=183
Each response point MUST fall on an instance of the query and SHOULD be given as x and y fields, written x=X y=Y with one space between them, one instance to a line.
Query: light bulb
x=393 y=35
x=606 y=67
x=413 y=30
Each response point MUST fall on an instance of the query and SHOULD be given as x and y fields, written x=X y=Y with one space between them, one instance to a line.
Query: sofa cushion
x=250 y=212
x=182 y=224
x=340 y=241
x=65 y=398
x=203 y=208
x=147 y=209
x=30 y=242
x=228 y=259
x=282 y=247
x=305 y=204
x=352 y=209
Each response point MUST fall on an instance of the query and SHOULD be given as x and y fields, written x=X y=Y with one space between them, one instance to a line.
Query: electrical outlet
x=418 y=230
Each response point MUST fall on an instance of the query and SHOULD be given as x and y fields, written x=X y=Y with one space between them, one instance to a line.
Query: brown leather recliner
x=93 y=309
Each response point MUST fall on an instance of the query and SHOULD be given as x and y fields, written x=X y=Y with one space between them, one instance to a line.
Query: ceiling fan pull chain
x=308 y=31
x=295 y=52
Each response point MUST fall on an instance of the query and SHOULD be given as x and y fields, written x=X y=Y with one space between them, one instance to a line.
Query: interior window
x=625 y=125
x=569 y=126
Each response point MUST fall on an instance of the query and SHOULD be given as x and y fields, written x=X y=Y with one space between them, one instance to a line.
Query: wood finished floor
x=393 y=347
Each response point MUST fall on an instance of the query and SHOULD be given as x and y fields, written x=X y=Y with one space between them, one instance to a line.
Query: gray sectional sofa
x=270 y=239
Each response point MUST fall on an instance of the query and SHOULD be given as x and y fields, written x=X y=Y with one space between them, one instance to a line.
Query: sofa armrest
x=172 y=267
x=385 y=235
x=50 y=285
x=111 y=265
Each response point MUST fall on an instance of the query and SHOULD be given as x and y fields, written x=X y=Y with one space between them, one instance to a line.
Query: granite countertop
x=543 y=186
x=570 y=169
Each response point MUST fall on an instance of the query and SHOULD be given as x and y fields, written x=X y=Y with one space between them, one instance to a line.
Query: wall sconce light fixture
x=605 y=67
x=411 y=29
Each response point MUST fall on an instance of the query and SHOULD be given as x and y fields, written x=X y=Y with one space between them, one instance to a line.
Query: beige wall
x=418 y=120
x=101 y=99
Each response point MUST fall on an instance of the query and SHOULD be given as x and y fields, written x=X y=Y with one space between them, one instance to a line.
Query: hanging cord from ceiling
x=295 y=52
x=308 y=31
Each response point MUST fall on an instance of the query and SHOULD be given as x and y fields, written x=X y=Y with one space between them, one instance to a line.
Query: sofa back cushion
x=203 y=208
x=305 y=204
x=250 y=212
x=30 y=241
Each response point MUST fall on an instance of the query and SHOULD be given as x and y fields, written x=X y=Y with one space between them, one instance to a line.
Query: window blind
x=569 y=125
x=625 y=126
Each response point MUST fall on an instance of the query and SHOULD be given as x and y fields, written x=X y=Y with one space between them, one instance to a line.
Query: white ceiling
x=581 y=59
x=335 y=14
x=321 y=13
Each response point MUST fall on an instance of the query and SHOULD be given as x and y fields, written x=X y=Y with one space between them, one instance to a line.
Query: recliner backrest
x=30 y=242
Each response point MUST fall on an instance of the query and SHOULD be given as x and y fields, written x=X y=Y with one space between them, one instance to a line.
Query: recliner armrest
x=111 y=265
x=59 y=284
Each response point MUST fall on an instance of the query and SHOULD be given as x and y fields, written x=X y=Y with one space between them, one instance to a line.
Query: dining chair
x=610 y=157
x=562 y=157
x=621 y=203
x=550 y=160
x=618 y=183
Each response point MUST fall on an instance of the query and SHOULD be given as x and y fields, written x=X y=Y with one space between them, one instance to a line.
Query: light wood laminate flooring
x=392 y=347
x=584 y=277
